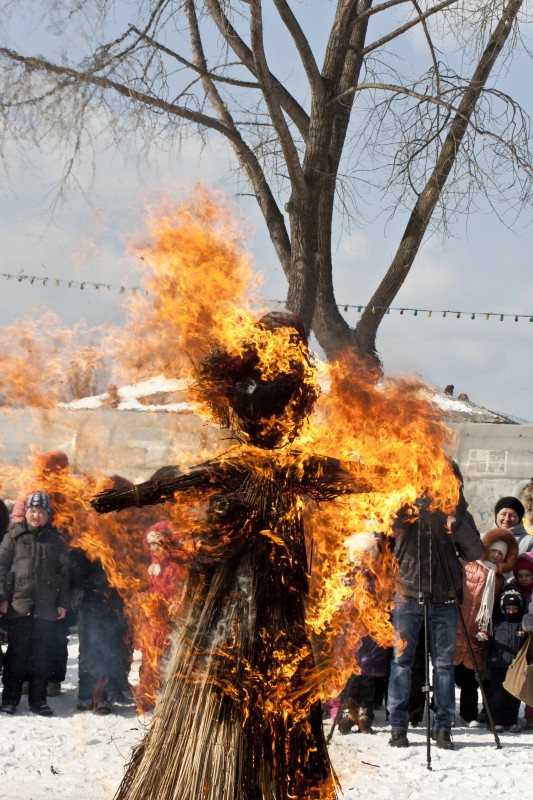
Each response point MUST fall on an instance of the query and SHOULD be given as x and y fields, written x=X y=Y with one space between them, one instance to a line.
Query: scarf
x=484 y=615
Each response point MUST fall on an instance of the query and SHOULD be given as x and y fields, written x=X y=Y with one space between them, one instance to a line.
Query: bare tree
x=428 y=136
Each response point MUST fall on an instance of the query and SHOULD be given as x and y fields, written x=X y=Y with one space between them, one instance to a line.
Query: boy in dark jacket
x=359 y=693
x=507 y=639
x=34 y=595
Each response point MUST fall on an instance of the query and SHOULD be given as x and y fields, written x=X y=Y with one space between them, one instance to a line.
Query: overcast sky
x=485 y=268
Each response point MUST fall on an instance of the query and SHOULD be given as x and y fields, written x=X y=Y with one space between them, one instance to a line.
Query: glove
x=527 y=623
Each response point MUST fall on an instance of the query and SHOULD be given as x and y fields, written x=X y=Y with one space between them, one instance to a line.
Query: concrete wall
x=104 y=441
x=492 y=458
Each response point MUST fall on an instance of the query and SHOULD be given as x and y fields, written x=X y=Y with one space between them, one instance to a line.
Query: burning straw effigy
x=240 y=715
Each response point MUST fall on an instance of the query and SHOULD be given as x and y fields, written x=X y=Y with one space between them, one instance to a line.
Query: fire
x=201 y=279
x=369 y=448
x=198 y=285
x=383 y=424
x=42 y=363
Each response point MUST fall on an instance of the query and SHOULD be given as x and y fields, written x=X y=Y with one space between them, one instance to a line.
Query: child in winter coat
x=51 y=470
x=507 y=639
x=168 y=573
x=523 y=581
x=523 y=577
x=360 y=690
x=482 y=583
x=164 y=606
x=355 y=707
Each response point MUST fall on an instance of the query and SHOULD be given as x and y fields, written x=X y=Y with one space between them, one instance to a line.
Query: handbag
x=519 y=678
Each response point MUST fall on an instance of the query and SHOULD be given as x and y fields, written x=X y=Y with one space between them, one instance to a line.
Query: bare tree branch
x=408 y=25
x=302 y=45
x=309 y=144
x=186 y=63
x=428 y=198
x=270 y=95
x=34 y=64
x=243 y=52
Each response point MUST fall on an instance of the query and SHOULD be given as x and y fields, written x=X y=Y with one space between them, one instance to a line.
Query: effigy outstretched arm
x=325 y=478
x=211 y=475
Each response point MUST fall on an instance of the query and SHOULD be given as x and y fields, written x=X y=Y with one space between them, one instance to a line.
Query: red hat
x=524 y=561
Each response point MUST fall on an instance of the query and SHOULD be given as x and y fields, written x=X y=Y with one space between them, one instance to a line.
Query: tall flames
x=201 y=294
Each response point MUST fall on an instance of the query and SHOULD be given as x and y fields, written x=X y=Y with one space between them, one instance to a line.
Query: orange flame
x=198 y=283
x=200 y=294
x=42 y=363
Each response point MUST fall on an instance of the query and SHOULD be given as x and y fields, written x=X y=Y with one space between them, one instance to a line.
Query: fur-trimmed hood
x=502 y=535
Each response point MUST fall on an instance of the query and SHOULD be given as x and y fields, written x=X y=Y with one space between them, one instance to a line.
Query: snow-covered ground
x=81 y=756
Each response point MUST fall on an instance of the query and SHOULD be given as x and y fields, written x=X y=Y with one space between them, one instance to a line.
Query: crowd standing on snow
x=49 y=587
x=445 y=568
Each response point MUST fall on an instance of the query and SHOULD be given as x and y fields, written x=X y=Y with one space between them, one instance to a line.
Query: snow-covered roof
x=169 y=394
x=154 y=394
x=455 y=409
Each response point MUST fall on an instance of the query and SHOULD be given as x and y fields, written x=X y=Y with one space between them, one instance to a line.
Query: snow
x=81 y=756
x=129 y=400
x=129 y=397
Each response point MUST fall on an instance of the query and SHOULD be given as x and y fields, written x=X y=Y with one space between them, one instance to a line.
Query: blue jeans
x=407 y=620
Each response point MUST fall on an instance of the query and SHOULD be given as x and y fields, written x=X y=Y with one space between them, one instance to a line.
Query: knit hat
x=500 y=546
x=524 y=561
x=510 y=502
x=38 y=499
x=511 y=597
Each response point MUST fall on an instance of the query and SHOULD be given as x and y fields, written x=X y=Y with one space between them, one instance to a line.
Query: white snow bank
x=81 y=756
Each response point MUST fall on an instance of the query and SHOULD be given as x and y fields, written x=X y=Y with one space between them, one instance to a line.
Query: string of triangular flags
x=22 y=277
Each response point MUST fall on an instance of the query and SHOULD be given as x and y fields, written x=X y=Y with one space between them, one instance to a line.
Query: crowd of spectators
x=51 y=588
x=473 y=593
x=445 y=571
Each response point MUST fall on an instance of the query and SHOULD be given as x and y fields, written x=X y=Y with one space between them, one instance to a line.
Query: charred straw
x=153 y=491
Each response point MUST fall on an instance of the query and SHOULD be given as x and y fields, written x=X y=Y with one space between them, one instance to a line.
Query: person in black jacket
x=103 y=634
x=4 y=524
x=34 y=595
x=427 y=546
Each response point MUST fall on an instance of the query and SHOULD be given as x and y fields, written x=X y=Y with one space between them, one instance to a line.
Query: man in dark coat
x=34 y=595
x=427 y=546
x=103 y=635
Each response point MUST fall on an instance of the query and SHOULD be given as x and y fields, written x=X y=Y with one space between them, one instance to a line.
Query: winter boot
x=364 y=722
x=398 y=739
x=43 y=710
x=443 y=740
x=103 y=708
x=345 y=723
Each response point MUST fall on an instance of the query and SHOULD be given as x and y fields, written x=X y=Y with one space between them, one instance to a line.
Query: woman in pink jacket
x=482 y=582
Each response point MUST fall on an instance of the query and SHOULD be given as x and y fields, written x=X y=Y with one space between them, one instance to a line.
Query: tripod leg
x=478 y=677
x=427 y=686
